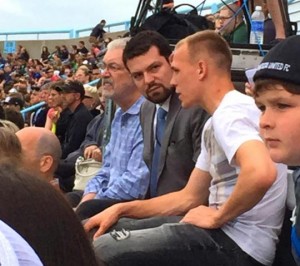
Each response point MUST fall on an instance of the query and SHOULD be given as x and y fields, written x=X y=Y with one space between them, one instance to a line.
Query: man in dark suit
x=146 y=56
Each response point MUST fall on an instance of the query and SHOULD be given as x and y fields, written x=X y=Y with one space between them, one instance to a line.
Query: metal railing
x=63 y=34
x=32 y=108
x=38 y=35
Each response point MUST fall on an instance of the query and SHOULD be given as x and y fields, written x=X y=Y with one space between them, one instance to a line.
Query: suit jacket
x=180 y=146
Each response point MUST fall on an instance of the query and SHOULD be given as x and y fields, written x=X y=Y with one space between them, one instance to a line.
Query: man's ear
x=202 y=69
x=46 y=163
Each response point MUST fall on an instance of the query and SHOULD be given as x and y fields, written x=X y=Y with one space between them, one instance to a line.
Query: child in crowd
x=277 y=94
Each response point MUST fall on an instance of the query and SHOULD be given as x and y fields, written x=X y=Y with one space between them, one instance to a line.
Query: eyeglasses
x=113 y=67
x=223 y=18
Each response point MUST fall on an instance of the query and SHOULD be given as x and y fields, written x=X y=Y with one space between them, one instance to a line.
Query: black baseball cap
x=15 y=101
x=72 y=86
x=282 y=62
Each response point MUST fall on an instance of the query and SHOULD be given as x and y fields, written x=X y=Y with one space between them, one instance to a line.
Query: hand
x=97 y=155
x=103 y=220
x=204 y=217
x=249 y=89
x=54 y=114
x=88 y=152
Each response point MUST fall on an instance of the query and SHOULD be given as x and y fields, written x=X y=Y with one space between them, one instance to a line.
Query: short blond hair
x=85 y=69
x=91 y=91
x=209 y=42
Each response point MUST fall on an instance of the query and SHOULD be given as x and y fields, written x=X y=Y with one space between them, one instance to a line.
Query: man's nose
x=105 y=73
x=148 y=78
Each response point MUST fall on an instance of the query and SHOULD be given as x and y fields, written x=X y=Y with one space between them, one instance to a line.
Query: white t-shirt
x=233 y=123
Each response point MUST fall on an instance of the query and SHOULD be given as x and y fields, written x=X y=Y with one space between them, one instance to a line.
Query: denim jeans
x=92 y=207
x=165 y=241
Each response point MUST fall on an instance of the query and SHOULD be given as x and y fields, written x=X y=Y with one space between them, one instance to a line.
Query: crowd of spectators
x=25 y=81
x=230 y=183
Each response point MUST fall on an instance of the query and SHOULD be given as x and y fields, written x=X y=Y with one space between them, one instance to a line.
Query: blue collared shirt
x=124 y=174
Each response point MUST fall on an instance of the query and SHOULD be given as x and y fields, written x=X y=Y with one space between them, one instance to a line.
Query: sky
x=31 y=15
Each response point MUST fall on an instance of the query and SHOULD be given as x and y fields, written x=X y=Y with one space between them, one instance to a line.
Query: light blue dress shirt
x=124 y=174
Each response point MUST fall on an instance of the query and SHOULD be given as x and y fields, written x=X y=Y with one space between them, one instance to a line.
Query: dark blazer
x=180 y=145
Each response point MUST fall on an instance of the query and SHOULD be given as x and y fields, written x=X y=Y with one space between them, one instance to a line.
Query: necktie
x=159 y=133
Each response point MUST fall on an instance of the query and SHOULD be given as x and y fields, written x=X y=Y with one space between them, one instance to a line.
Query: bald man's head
x=41 y=150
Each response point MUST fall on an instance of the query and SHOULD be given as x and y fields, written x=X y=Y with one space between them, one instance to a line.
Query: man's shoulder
x=97 y=120
x=82 y=111
x=147 y=108
x=194 y=113
x=240 y=34
x=175 y=109
x=96 y=30
x=235 y=99
x=146 y=105
x=65 y=112
x=240 y=112
x=83 y=50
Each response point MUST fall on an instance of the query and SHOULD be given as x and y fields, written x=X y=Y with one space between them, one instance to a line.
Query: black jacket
x=76 y=129
x=98 y=31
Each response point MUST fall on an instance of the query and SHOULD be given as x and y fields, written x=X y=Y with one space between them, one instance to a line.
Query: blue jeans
x=165 y=241
x=92 y=207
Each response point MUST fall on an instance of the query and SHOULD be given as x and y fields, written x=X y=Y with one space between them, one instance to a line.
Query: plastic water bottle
x=257 y=26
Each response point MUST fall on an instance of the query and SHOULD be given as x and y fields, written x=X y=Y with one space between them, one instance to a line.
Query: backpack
x=174 y=26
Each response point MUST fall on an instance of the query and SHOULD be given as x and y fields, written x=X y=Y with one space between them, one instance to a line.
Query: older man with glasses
x=124 y=175
x=230 y=24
